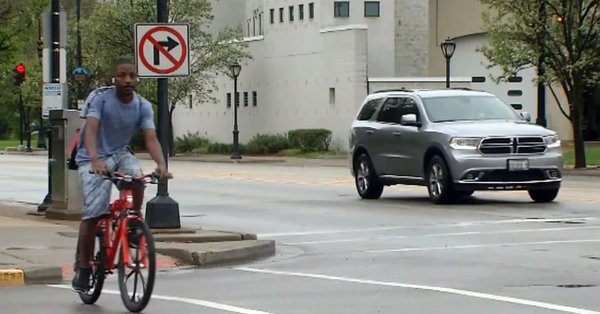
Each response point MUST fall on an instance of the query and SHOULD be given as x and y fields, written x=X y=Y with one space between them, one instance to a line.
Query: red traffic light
x=20 y=69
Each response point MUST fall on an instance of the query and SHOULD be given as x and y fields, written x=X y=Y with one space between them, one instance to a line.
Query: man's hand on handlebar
x=99 y=167
x=163 y=172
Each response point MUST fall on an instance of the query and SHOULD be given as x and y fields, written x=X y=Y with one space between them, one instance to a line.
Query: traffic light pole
x=55 y=75
x=21 y=118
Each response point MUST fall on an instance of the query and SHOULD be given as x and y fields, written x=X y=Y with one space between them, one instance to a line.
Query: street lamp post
x=235 y=72
x=448 y=47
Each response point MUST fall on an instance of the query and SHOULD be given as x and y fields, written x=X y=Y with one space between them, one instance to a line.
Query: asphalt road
x=494 y=253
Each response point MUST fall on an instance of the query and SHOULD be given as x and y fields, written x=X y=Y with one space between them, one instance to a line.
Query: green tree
x=110 y=32
x=562 y=33
x=19 y=21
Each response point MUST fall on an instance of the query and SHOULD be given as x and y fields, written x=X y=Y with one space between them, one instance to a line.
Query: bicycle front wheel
x=98 y=273
x=136 y=279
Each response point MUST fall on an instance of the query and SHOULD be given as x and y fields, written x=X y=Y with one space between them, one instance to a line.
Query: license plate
x=518 y=164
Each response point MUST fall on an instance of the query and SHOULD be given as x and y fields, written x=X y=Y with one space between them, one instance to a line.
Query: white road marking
x=467 y=293
x=479 y=246
x=458 y=224
x=209 y=304
x=452 y=234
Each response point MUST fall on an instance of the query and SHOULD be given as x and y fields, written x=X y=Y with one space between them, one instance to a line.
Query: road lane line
x=458 y=224
x=452 y=234
x=473 y=294
x=480 y=246
x=209 y=304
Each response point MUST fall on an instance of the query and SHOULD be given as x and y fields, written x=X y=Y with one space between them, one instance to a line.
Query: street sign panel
x=53 y=98
x=162 y=50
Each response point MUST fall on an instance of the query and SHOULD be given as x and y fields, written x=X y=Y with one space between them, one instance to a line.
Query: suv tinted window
x=390 y=112
x=394 y=108
x=368 y=109
x=409 y=106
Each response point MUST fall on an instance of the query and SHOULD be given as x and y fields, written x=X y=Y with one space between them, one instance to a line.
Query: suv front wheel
x=439 y=180
x=365 y=178
x=543 y=196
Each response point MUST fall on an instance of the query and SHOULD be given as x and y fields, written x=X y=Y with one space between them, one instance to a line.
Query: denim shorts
x=97 y=190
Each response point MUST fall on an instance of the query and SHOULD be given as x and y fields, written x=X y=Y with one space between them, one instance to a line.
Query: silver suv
x=453 y=141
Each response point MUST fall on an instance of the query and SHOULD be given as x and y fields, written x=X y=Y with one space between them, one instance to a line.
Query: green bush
x=310 y=140
x=222 y=148
x=189 y=142
x=262 y=144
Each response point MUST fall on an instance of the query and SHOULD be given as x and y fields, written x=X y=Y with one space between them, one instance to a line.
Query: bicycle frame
x=120 y=215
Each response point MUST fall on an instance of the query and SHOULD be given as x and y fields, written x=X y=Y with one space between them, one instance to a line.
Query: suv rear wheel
x=365 y=178
x=439 y=180
x=543 y=196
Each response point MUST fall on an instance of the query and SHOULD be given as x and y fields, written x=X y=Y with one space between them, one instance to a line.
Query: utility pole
x=55 y=78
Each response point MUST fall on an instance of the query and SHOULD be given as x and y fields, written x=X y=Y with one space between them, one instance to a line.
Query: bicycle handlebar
x=117 y=176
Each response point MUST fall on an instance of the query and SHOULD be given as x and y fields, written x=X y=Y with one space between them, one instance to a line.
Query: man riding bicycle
x=112 y=117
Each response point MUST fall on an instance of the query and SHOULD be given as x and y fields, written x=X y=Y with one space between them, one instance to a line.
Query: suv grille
x=512 y=145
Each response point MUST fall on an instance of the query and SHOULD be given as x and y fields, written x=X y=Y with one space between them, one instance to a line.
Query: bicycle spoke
x=136 y=271
x=134 y=286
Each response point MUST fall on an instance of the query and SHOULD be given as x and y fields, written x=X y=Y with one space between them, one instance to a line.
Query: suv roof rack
x=402 y=89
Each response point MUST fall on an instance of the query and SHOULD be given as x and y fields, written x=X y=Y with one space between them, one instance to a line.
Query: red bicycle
x=123 y=231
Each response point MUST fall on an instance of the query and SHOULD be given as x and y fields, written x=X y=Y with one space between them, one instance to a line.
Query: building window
x=311 y=10
x=245 y=99
x=341 y=8
x=272 y=11
x=260 y=26
x=237 y=99
x=371 y=8
x=228 y=100
x=253 y=26
x=301 y=12
x=291 y=13
x=190 y=101
x=248 y=27
x=332 y=95
x=280 y=15
x=254 y=99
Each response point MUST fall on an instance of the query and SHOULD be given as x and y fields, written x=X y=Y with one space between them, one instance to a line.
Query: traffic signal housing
x=19 y=74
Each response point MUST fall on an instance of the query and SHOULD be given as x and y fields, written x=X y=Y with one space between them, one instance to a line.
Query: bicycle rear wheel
x=98 y=273
x=142 y=259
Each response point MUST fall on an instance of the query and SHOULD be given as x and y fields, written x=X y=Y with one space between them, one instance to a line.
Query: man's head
x=125 y=75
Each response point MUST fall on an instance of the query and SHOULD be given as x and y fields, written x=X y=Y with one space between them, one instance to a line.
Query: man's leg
x=96 y=198
x=129 y=165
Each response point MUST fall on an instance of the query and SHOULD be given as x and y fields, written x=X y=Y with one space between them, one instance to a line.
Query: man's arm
x=93 y=116
x=91 y=133
x=151 y=140
x=153 y=146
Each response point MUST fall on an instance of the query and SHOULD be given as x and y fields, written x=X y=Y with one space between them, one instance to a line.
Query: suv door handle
x=397 y=133
x=370 y=131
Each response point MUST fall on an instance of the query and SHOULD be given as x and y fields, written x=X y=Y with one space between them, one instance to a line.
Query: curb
x=30 y=275
x=11 y=277
x=213 y=256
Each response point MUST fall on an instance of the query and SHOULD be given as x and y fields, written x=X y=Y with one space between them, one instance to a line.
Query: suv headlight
x=468 y=143
x=552 y=141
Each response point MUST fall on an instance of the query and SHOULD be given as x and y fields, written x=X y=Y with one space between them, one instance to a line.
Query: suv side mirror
x=410 y=120
x=525 y=115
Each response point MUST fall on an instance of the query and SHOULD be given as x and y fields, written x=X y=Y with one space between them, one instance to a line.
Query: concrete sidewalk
x=36 y=250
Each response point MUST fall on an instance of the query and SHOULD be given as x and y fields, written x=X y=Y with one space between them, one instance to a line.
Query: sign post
x=162 y=51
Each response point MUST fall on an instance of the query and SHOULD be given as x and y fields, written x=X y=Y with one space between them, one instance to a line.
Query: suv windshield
x=457 y=108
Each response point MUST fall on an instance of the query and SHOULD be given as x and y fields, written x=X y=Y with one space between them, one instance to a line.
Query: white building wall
x=296 y=64
x=411 y=38
x=294 y=69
